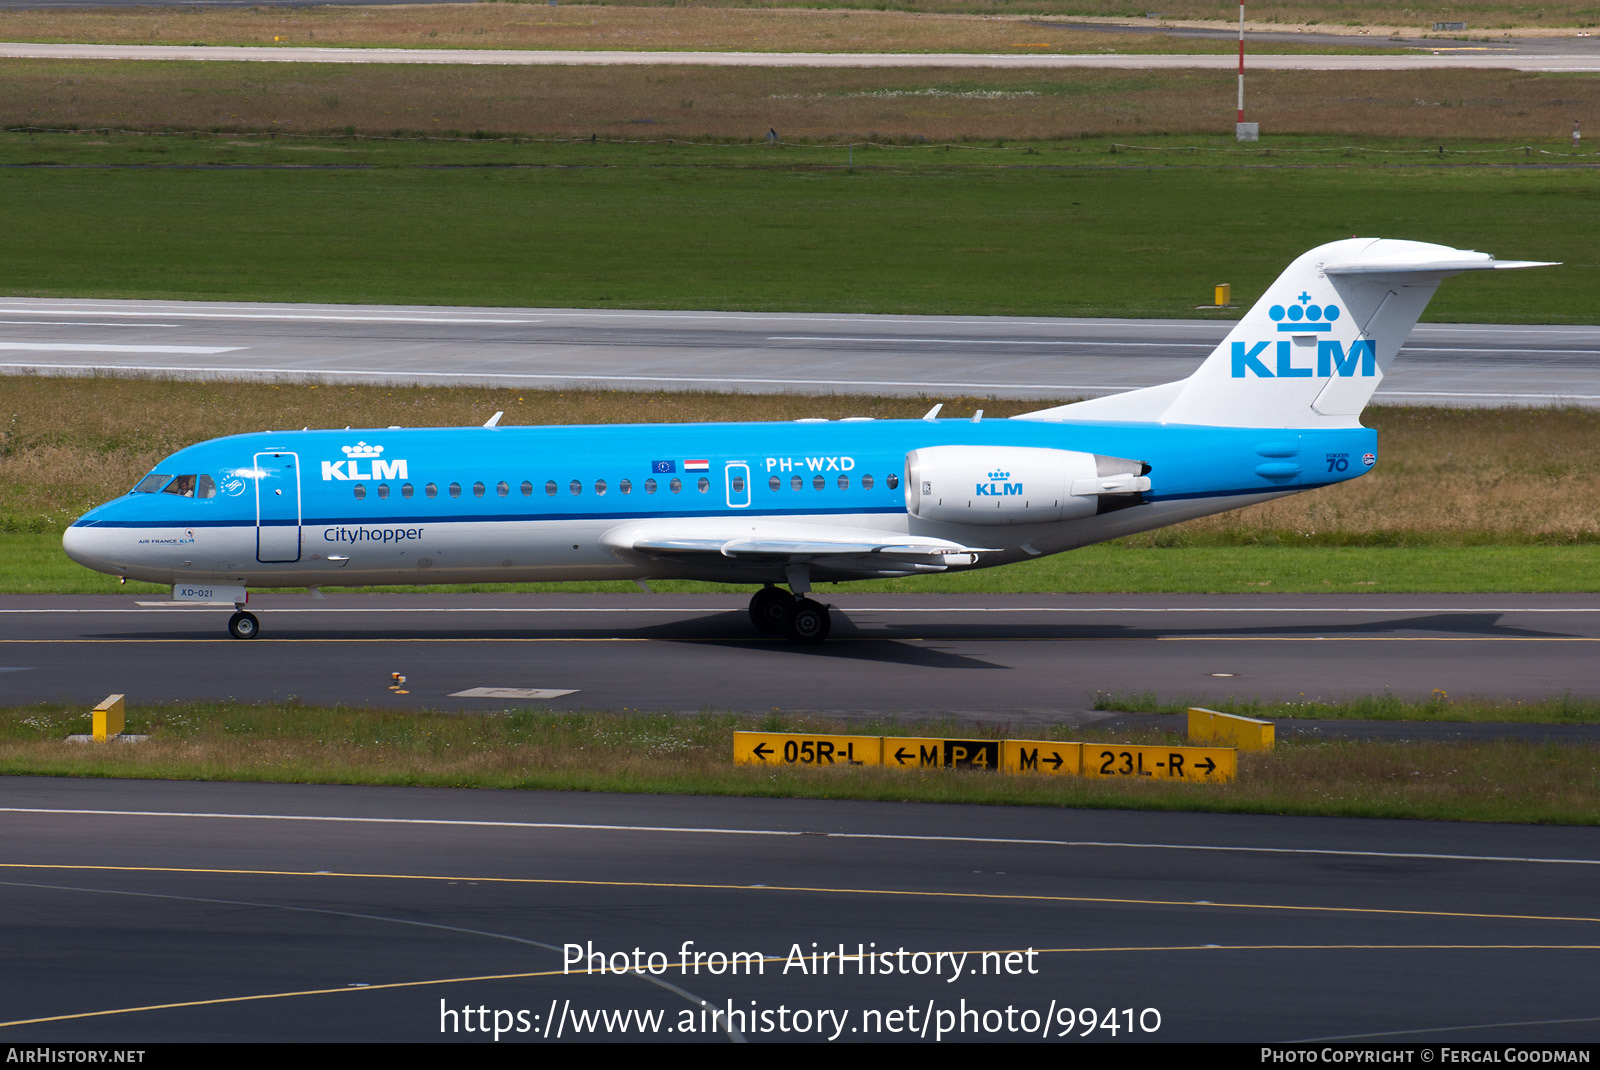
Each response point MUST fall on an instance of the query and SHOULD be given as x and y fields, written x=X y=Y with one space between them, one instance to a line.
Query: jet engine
x=1018 y=484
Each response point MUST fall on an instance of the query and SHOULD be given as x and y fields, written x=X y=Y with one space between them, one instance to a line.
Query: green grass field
x=659 y=753
x=664 y=227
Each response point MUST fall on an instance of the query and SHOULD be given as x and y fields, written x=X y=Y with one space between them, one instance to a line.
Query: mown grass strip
x=1440 y=706
x=912 y=238
x=657 y=753
x=609 y=27
x=821 y=25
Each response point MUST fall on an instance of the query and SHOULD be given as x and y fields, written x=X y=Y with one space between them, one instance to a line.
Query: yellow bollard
x=1224 y=294
x=108 y=719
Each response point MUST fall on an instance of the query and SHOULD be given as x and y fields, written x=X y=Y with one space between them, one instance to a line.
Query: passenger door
x=277 y=507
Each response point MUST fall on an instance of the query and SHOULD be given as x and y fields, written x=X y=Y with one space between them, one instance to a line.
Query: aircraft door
x=737 y=476
x=277 y=507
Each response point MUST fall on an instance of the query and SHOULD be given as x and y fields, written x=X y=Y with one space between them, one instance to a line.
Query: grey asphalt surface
x=746 y=352
x=1034 y=659
x=1577 y=55
x=257 y=912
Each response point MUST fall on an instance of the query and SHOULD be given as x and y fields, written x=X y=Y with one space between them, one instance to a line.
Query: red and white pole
x=1241 y=61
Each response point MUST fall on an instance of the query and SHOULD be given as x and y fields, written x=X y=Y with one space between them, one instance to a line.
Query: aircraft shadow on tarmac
x=890 y=641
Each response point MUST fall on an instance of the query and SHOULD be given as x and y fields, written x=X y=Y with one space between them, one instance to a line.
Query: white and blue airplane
x=1273 y=411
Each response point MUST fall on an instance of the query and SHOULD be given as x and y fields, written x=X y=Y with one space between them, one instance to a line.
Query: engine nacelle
x=1018 y=484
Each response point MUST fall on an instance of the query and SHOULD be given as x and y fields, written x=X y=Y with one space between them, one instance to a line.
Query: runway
x=1579 y=56
x=1022 y=659
x=135 y=912
x=740 y=352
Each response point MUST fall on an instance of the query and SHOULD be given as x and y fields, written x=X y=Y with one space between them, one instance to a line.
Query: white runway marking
x=258 y=372
x=511 y=692
x=76 y=323
x=90 y=347
x=256 y=315
x=1013 y=342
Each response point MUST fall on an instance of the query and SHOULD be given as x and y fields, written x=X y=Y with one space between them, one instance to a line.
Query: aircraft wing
x=761 y=542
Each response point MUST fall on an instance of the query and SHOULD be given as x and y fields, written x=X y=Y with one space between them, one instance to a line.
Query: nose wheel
x=243 y=625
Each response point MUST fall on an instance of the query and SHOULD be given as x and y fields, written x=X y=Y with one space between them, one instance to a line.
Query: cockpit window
x=151 y=483
x=183 y=485
x=207 y=488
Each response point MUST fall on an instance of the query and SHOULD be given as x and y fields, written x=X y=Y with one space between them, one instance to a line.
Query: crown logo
x=999 y=475
x=1304 y=316
x=360 y=450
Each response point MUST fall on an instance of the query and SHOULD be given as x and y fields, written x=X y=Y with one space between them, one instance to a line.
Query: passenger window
x=477 y=490
x=455 y=490
x=796 y=483
x=576 y=486
x=599 y=486
x=407 y=490
x=676 y=484
x=431 y=490
x=150 y=483
x=844 y=482
x=704 y=484
x=527 y=489
x=624 y=487
x=183 y=485
x=649 y=486
x=383 y=491
x=738 y=484
x=819 y=482
x=866 y=482
x=893 y=481
x=550 y=488
x=502 y=488
x=208 y=488
x=774 y=483
x=361 y=492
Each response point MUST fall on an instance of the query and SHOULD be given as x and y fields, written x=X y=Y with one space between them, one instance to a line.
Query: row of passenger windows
x=650 y=486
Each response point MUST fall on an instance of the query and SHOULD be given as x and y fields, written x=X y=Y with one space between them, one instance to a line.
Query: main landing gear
x=800 y=619
x=244 y=625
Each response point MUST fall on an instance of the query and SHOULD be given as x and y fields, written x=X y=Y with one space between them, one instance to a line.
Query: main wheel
x=244 y=626
x=768 y=607
x=807 y=622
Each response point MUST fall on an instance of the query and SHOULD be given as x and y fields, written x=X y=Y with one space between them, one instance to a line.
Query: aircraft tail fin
x=1311 y=352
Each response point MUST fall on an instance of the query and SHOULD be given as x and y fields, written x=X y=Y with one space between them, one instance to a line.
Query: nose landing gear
x=244 y=625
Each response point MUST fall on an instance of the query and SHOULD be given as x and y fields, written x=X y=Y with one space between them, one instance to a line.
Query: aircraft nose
x=90 y=547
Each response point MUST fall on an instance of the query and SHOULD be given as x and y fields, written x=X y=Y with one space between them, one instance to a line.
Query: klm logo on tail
x=1251 y=358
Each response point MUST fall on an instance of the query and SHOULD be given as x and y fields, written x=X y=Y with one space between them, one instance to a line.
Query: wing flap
x=786 y=543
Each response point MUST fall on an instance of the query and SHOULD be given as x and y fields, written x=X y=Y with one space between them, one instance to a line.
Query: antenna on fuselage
x=493 y=421
x=933 y=412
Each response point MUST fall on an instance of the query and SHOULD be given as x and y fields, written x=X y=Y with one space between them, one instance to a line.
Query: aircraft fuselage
x=511 y=504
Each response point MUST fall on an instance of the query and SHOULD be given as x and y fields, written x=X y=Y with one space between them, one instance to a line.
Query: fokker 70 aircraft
x=1274 y=410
